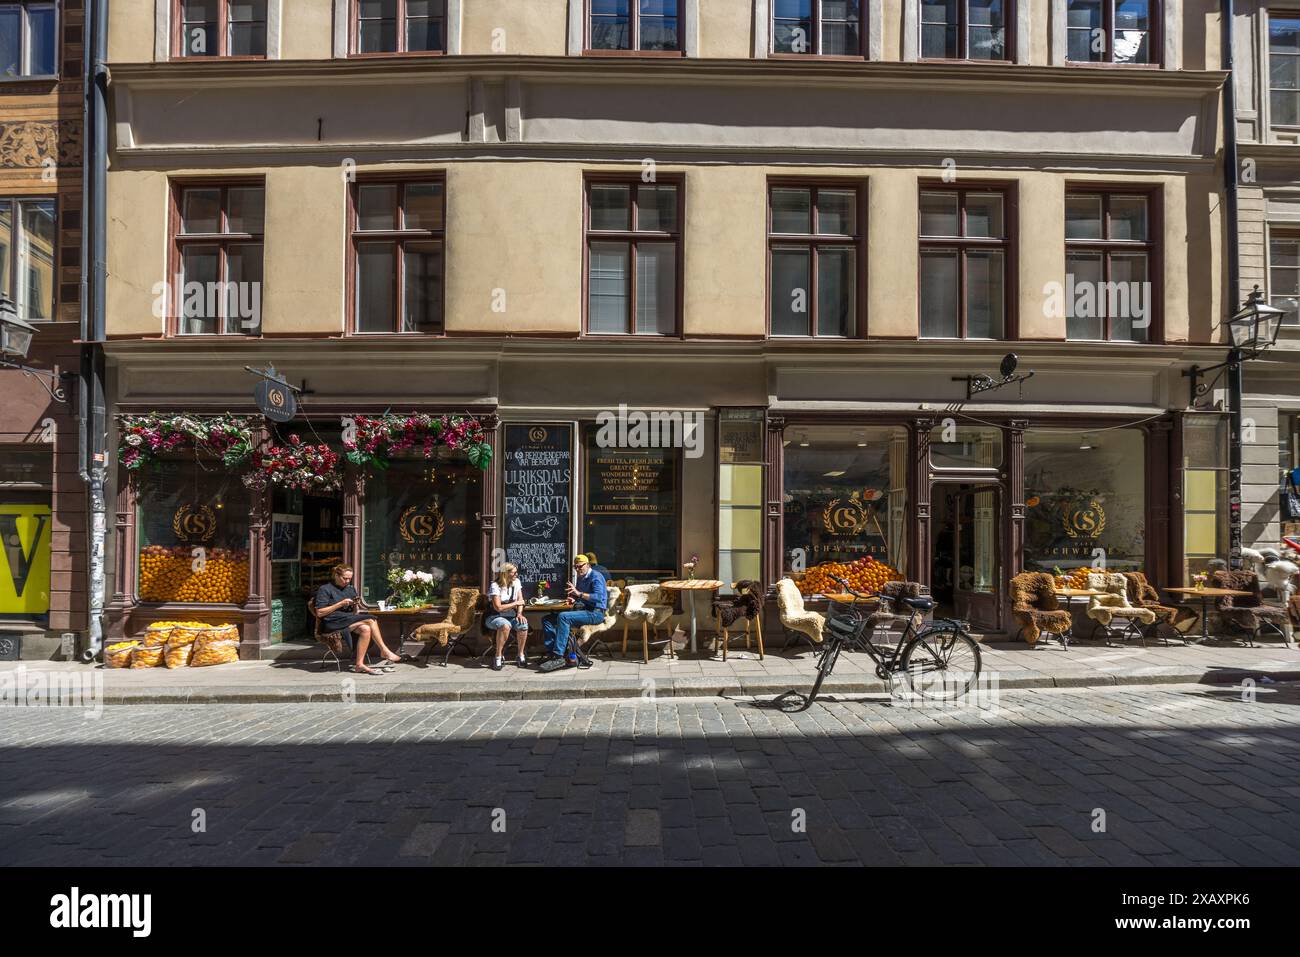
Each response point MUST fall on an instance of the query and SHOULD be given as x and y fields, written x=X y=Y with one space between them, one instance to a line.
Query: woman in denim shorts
x=506 y=614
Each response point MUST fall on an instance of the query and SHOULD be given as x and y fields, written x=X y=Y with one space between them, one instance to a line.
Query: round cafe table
x=1069 y=596
x=690 y=586
x=1205 y=594
x=403 y=617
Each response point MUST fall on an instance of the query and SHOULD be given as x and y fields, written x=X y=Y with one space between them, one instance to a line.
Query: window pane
x=940 y=21
x=423 y=33
x=1083 y=217
x=1083 y=316
x=659 y=25
x=939 y=289
x=1284 y=108
x=608 y=287
x=984 y=215
x=1284 y=34
x=792 y=211
x=1128 y=297
x=939 y=214
x=377 y=26
x=631 y=512
x=201 y=211
x=242 y=11
x=422 y=206
x=424 y=8
x=200 y=22
x=987 y=28
x=376 y=277
x=656 y=288
x=791 y=300
x=1087 y=40
x=244 y=294
x=36 y=252
x=11 y=44
x=377 y=206
x=836 y=285
x=837 y=213
x=1284 y=71
x=422 y=293
x=611 y=206
x=656 y=209
x=984 y=309
x=245 y=209
x=42 y=44
x=792 y=26
x=200 y=271
x=1128 y=218
x=1132 y=31
x=611 y=25
x=247 y=39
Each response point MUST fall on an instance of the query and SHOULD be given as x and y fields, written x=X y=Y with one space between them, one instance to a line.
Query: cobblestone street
x=1160 y=775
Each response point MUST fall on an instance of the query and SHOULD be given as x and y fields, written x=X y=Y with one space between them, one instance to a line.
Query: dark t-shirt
x=331 y=594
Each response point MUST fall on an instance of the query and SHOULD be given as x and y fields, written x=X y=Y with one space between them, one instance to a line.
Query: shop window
x=633 y=26
x=634 y=252
x=964 y=251
x=1085 y=500
x=1284 y=70
x=1113 y=31
x=817 y=28
x=398 y=238
x=965 y=447
x=221 y=28
x=631 y=509
x=1284 y=272
x=815 y=250
x=420 y=514
x=29 y=40
x=27 y=256
x=26 y=520
x=965 y=29
x=218 y=248
x=740 y=494
x=192 y=531
x=1288 y=460
x=1108 y=264
x=1205 y=491
x=399 y=26
x=845 y=495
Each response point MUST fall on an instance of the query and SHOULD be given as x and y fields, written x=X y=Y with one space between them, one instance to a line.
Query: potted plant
x=412 y=588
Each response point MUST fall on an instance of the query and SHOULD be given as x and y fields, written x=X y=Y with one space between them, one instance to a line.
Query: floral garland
x=376 y=439
x=306 y=468
x=146 y=437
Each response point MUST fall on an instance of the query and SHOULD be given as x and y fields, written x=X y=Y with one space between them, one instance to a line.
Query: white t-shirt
x=512 y=592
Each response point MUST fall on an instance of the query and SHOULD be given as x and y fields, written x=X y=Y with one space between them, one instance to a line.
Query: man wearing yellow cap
x=587 y=600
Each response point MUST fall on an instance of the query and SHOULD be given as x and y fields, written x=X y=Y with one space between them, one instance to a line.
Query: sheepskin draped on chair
x=1114 y=603
x=1142 y=594
x=649 y=606
x=1247 y=614
x=1034 y=606
x=587 y=633
x=452 y=630
x=794 y=616
x=746 y=605
x=890 y=611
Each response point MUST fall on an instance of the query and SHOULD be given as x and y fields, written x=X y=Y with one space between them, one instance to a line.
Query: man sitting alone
x=587 y=599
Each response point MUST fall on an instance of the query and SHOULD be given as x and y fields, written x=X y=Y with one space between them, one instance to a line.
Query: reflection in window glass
x=631 y=506
x=1085 y=498
x=845 y=494
x=965 y=447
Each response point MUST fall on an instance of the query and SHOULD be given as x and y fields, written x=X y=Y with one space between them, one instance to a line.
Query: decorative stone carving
x=25 y=144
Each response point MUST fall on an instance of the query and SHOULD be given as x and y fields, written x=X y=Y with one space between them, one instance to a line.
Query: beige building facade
x=797 y=239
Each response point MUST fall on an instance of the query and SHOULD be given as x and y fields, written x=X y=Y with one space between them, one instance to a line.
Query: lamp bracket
x=53 y=387
x=975 y=384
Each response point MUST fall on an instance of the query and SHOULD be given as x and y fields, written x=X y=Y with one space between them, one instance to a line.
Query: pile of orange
x=167 y=574
x=865 y=575
x=1079 y=577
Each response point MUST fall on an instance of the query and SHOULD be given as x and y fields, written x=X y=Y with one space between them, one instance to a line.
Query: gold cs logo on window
x=537 y=434
x=422 y=523
x=194 y=524
x=845 y=518
x=1085 y=521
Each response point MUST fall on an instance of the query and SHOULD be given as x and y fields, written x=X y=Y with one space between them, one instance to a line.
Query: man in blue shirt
x=589 y=599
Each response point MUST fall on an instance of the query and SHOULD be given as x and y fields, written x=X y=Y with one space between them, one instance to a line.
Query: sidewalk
x=1011 y=665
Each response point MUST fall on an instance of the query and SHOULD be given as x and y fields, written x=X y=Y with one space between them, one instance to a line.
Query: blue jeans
x=555 y=628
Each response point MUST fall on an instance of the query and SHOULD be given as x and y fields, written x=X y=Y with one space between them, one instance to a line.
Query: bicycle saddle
x=923 y=603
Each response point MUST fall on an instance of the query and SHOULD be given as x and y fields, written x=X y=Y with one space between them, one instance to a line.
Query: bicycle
x=938 y=663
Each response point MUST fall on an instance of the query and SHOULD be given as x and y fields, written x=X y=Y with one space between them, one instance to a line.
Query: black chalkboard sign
x=537 y=479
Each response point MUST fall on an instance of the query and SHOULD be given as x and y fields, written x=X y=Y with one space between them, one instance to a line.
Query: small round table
x=1071 y=595
x=690 y=586
x=1205 y=594
x=403 y=616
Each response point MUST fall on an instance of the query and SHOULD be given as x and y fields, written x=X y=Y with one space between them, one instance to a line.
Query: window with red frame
x=814 y=253
x=220 y=28
x=398 y=262
x=399 y=26
x=817 y=27
x=218 y=245
x=964 y=253
x=1112 y=31
x=633 y=257
x=1109 y=257
x=633 y=26
x=964 y=29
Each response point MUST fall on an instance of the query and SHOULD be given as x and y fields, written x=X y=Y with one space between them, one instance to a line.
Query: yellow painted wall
x=893 y=260
x=1041 y=252
x=726 y=29
x=137 y=250
x=304 y=264
x=726 y=251
x=532 y=28
x=307 y=30
x=131 y=31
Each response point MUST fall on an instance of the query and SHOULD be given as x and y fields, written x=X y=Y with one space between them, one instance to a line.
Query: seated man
x=588 y=599
x=596 y=566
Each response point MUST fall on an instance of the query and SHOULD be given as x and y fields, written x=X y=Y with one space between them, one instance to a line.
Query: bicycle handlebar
x=853 y=591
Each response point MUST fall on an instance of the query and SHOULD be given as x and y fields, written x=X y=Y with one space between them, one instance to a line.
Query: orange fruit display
x=864 y=575
x=167 y=574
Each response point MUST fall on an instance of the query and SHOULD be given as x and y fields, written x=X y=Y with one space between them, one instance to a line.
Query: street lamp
x=16 y=341
x=1255 y=327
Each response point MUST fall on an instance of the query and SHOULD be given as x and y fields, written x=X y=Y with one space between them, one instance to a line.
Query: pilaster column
x=1014 y=457
x=257 y=609
x=1157 y=558
x=918 y=501
x=120 y=606
x=487 y=517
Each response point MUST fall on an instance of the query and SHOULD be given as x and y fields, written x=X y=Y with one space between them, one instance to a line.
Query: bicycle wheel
x=941 y=664
x=829 y=656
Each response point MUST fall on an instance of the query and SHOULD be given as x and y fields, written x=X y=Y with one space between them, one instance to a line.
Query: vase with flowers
x=413 y=588
x=1199 y=580
x=689 y=566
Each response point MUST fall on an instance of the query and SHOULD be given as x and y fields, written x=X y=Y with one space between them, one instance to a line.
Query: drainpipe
x=1230 y=173
x=91 y=395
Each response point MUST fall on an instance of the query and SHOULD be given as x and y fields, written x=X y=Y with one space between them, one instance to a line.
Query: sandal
x=361 y=671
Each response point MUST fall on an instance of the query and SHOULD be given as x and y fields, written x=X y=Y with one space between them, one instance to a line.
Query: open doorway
x=306 y=543
x=966 y=557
